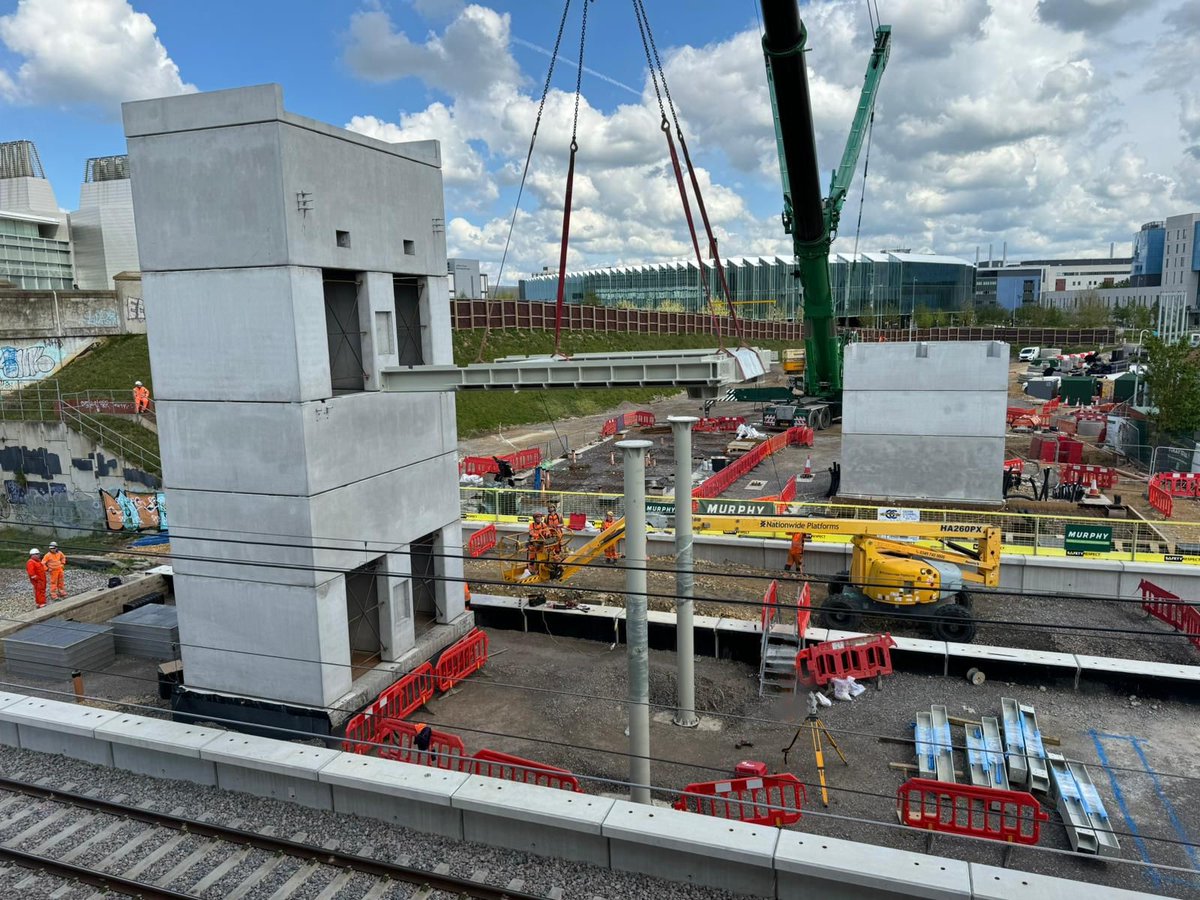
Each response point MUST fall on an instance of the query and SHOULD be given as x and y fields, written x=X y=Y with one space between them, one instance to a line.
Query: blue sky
x=1055 y=125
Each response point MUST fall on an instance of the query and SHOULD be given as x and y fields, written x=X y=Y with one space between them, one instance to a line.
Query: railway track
x=143 y=853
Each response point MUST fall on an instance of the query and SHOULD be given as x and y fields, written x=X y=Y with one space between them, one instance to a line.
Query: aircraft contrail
x=542 y=50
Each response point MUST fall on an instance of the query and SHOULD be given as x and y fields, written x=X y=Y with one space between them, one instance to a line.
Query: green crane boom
x=811 y=220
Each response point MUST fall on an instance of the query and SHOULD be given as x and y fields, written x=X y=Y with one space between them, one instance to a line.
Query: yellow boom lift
x=551 y=565
x=926 y=575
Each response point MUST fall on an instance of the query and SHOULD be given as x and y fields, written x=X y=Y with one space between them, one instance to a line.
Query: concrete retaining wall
x=679 y=846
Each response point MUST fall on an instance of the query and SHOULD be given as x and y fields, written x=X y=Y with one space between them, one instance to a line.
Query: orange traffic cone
x=808 y=475
x=1093 y=491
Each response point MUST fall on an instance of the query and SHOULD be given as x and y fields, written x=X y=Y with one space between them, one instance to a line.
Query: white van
x=1029 y=354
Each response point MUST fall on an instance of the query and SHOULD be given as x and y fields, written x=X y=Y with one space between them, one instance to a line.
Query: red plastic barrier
x=1012 y=816
x=446 y=751
x=1159 y=498
x=804 y=614
x=1071 y=473
x=1179 y=484
x=407 y=695
x=861 y=657
x=788 y=494
x=759 y=800
x=1050 y=406
x=716 y=484
x=482 y=541
x=457 y=662
x=610 y=427
x=1014 y=465
x=719 y=424
x=768 y=605
x=494 y=764
x=360 y=728
x=642 y=418
x=1169 y=608
x=485 y=465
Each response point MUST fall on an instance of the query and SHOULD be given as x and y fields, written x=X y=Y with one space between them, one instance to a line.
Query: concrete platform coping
x=177 y=738
x=393 y=778
x=66 y=718
x=879 y=868
x=533 y=803
x=686 y=832
x=267 y=755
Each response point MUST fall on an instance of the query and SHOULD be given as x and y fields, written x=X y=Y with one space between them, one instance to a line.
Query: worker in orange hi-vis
x=141 y=398
x=36 y=570
x=795 y=557
x=56 y=567
x=610 y=552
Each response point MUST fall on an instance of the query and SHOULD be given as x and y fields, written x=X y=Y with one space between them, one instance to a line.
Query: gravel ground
x=574 y=729
x=16 y=594
x=351 y=834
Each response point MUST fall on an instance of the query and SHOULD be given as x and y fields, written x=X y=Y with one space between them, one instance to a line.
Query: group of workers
x=545 y=536
x=50 y=566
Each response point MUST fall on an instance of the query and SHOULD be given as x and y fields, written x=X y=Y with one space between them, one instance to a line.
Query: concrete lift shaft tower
x=314 y=517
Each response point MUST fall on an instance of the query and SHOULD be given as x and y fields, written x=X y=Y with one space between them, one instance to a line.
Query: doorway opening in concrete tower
x=362 y=618
x=425 y=567
x=343 y=330
x=407 y=290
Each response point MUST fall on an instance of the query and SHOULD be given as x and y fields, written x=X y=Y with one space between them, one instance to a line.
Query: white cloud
x=1089 y=15
x=84 y=52
x=469 y=56
x=996 y=121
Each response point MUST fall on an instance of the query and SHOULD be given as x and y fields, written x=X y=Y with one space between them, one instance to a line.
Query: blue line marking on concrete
x=1152 y=873
x=1189 y=846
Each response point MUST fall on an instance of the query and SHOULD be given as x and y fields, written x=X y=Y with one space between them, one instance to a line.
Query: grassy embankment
x=119 y=361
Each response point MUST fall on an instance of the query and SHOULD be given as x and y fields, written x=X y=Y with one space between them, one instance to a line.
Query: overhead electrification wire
x=487 y=324
x=670 y=791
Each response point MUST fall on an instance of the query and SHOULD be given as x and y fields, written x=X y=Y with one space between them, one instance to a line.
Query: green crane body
x=810 y=220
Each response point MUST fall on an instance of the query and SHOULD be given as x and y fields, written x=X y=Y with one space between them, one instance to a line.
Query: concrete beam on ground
x=696 y=369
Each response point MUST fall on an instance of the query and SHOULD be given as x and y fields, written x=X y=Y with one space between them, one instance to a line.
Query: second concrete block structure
x=314 y=518
x=925 y=421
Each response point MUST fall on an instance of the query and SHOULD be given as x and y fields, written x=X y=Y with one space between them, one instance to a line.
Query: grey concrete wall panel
x=280 y=186
x=238 y=335
x=534 y=819
x=211 y=109
x=922 y=467
x=64 y=728
x=993 y=883
x=284 y=645
x=436 y=311
x=161 y=748
x=269 y=768
x=8 y=730
x=413 y=796
x=809 y=865
x=682 y=846
x=1095 y=576
x=390 y=431
x=924 y=421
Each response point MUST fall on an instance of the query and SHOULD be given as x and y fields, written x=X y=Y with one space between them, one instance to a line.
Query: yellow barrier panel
x=1022 y=533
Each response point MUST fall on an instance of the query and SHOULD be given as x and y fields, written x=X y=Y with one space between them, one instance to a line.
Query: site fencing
x=1021 y=533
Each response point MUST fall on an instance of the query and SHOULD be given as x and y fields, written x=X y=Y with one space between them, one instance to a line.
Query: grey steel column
x=635 y=619
x=685 y=636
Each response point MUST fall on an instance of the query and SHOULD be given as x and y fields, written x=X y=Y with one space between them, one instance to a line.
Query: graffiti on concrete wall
x=135 y=309
x=134 y=510
x=31 y=362
x=101 y=318
x=37 y=461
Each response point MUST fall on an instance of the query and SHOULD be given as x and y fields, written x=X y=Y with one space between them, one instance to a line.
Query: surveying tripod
x=819 y=733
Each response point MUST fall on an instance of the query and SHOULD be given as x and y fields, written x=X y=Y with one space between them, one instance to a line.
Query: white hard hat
x=137 y=384
x=35 y=552
x=54 y=545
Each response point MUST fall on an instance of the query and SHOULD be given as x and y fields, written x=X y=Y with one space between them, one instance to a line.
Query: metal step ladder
x=777 y=670
x=985 y=758
x=1014 y=741
x=1089 y=829
x=1035 y=753
x=943 y=748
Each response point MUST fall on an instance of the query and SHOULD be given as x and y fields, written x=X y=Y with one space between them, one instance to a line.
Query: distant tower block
x=924 y=421
x=315 y=519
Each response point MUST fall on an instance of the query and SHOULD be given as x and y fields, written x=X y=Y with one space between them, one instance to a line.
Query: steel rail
x=340 y=860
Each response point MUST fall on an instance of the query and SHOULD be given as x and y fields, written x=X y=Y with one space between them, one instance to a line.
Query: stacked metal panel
x=150 y=631
x=57 y=647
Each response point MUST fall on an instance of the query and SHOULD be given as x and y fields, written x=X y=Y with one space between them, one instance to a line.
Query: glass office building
x=866 y=287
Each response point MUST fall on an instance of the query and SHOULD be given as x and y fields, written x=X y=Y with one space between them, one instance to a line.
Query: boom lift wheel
x=840 y=613
x=953 y=623
x=838 y=584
